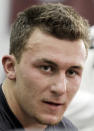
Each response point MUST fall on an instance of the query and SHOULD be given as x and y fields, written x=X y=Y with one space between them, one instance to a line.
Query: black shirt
x=9 y=122
x=7 y=118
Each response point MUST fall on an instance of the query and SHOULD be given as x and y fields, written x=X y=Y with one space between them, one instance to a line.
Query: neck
x=8 y=88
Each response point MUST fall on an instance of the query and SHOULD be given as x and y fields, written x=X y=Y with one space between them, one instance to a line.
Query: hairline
x=48 y=33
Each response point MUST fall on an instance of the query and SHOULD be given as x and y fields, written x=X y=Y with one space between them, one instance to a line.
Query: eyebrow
x=47 y=61
x=78 y=67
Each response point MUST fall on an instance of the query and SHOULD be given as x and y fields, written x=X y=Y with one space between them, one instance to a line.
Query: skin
x=40 y=87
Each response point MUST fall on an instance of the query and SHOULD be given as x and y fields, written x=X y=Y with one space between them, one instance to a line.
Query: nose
x=59 y=86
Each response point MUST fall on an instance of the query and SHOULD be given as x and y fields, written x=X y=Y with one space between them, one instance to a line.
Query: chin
x=50 y=120
x=53 y=122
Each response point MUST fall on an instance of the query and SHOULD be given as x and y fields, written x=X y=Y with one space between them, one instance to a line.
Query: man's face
x=48 y=76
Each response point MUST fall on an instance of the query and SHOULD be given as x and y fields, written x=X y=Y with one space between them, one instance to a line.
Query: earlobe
x=8 y=62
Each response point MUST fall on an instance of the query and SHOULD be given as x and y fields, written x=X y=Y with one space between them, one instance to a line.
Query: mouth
x=54 y=106
x=52 y=103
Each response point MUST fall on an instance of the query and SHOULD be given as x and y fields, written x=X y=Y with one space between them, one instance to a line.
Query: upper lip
x=54 y=102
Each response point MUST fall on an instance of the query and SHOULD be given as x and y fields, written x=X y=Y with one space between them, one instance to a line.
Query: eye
x=47 y=68
x=72 y=73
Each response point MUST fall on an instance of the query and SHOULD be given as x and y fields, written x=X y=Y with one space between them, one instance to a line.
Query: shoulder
x=63 y=125
x=2 y=121
x=68 y=125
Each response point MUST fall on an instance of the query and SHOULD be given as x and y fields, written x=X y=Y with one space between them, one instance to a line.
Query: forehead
x=43 y=45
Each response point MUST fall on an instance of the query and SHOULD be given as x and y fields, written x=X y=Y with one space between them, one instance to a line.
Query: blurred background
x=81 y=110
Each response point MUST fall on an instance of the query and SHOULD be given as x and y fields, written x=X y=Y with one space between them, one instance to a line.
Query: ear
x=8 y=62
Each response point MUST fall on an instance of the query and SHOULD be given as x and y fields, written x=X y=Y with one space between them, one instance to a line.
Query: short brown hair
x=57 y=19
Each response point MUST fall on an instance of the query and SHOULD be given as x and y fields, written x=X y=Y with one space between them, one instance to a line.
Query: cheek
x=74 y=84
x=32 y=81
x=73 y=87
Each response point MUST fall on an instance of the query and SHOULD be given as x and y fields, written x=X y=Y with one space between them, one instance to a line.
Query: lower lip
x=54 y=107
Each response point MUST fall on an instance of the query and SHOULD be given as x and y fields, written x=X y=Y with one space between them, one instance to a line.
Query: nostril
x=59 y=89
